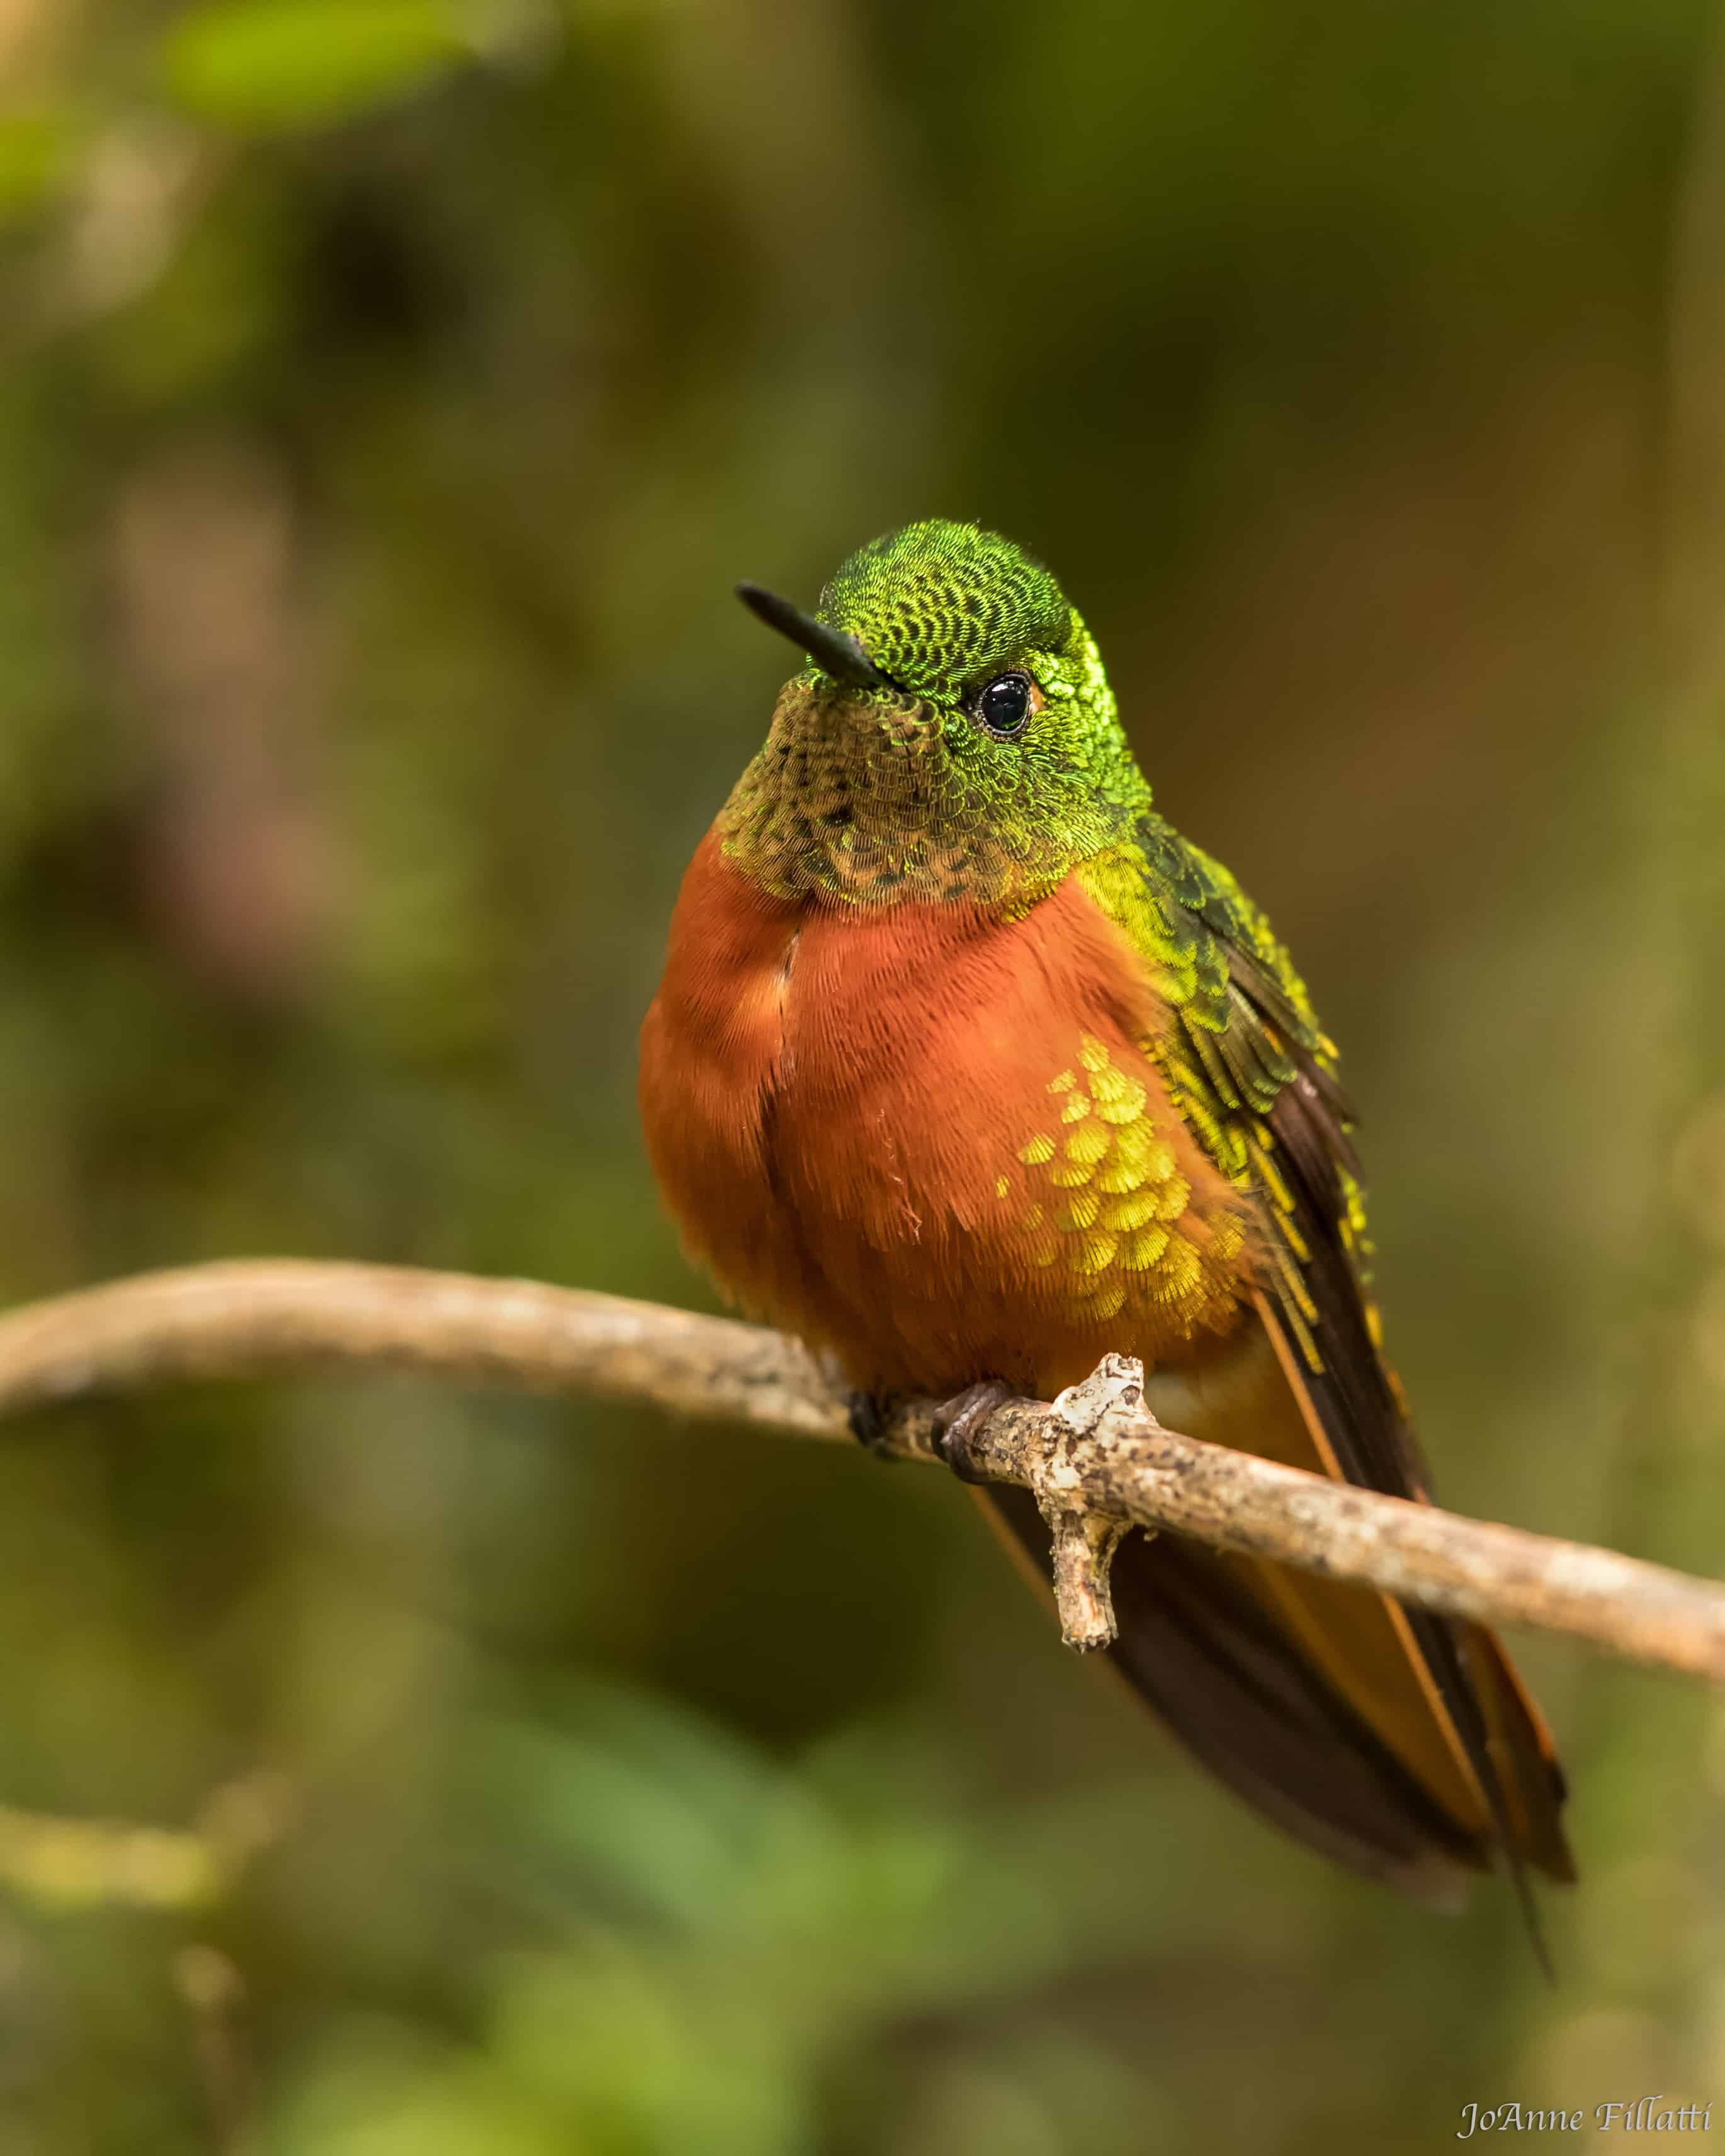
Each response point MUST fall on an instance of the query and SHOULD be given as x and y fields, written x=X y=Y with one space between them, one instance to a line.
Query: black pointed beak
x=834 y=652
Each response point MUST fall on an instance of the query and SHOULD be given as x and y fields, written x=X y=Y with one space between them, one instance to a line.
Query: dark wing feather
x=1252 y=1072
x=1198 y=1647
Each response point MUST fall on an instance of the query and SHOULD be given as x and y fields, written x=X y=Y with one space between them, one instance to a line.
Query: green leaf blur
x=34 y=152
x=273 y=64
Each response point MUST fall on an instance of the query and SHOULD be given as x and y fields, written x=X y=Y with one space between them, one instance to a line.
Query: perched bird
x=968 y=1066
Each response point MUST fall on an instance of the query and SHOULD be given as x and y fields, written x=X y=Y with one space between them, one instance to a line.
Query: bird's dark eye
x=1004 y=705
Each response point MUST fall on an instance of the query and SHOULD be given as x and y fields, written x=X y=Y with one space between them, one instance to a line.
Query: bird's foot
x=958 y=1420
x=870 y=1416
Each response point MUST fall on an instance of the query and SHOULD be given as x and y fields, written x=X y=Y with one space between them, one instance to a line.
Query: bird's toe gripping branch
x=959 y=1423
x=984 y=1436
x=870 y=1415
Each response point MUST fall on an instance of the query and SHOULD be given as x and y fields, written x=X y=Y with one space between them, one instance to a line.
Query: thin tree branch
x=1094 y=1459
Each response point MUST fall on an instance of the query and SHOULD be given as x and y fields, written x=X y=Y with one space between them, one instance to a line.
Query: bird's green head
x=953 y=736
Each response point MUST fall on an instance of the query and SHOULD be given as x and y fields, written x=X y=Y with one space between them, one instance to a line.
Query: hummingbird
x=966 y=1068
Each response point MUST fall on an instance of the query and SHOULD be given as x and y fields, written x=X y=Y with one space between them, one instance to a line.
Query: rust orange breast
x=932 y=1139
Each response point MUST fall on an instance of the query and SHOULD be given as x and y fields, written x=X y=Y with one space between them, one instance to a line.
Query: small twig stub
x=1084 y=1547
x=1084 y=1536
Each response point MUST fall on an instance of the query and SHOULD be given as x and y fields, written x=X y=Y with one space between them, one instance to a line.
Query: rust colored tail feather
x=1202 y=1648
x=1396 y=1741
x=1198 y=1647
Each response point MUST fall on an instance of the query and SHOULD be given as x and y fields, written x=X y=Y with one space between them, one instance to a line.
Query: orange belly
x=932 y=1140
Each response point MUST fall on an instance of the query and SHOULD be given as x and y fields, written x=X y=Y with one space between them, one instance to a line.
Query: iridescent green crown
x=940 y=605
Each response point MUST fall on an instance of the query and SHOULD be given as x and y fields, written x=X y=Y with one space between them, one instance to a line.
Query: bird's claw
x=958 y=1420
x=870 y=1417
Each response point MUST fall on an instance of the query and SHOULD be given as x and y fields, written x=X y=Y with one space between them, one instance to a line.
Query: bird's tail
x=1399 y=1743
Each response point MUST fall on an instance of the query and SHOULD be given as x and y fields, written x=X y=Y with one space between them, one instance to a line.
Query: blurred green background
x=390 y=392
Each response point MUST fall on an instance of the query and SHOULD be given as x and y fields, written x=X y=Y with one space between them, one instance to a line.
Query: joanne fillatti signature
x=1647 y=2114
